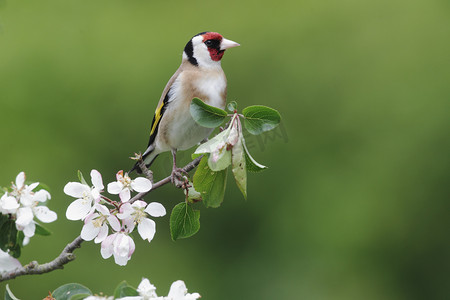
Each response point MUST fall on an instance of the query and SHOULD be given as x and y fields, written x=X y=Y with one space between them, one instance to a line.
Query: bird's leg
x=179 y=176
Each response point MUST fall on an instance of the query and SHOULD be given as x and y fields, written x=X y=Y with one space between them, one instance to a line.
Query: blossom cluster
x=22 y=203
x=101 y=214
x=147 y=291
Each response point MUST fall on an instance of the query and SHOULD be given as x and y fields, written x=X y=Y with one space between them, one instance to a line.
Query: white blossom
x=24 y=204
x=136 y=213
x=124 y=185
x=147 y=291
x=86 y=196
x=120 y=245
x=96 y=224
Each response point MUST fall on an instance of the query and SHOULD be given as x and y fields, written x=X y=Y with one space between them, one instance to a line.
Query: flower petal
x=114 y=188
x=89 y=231
x=147 y=229
x=28 y=231
x=24 y=216
x=125 y=195
x=20 y=180
x=114 y=223
x=107 y=246
x=76 y=189
x=141 y=185
x=96 y=179
x=9 y=204
x=78 y=209
x=155 y=209
x=42 y=196
x=103 y=233
x=44 y=214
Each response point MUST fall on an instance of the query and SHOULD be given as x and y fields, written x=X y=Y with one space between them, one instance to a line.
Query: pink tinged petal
x=107 y=246
x=20 y=180
x=102 y=234
x=89 y=231
x=24 y=216
x=155 y=209
x=44 y=214
x=96 y=179
x=129 y=224
x=141 y=185
x=114 y=188
x=125 y=211
x=7 y=262
x=42 y=196
x=114 y=223
x=147 y=229
x=78 y=209
x=125 y=195
x=28 y=231
x=76 y=189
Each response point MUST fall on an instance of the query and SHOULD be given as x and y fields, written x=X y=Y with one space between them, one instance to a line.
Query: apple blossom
x=86 y=196
x=23 y=204
x=147 y=291
x=124 y=185
x=136 y=213
x=95 y=224
x=7 y=262
x=119 y=244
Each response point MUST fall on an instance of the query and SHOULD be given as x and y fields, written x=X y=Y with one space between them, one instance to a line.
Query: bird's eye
x=209 y=43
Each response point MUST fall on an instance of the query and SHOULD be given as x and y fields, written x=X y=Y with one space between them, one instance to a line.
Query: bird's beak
x=225 y=44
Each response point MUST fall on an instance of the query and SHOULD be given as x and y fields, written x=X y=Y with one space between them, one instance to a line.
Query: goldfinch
x=199 y=75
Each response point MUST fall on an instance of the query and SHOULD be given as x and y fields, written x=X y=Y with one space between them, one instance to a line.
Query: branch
x=190 y=166
x=35 y=268
x=67 y=255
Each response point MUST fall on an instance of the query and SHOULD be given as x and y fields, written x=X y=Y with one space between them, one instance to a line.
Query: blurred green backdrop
x=356 y=202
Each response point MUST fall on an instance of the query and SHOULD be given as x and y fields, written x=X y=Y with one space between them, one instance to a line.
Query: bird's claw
x=179 y=178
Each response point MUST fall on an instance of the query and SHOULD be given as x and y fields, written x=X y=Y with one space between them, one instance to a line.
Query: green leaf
x=252 y=165
x=9 y=295
x=41 y=230
x=210 y=184
x=8 y=238
x=67 y=291
x=232 y=106
x=184 y=221
x=259 y=118
x=81 y=178
x=124 y=289
x=79 y=296
x=206 y=115
x=20 y=237
x=239 y=167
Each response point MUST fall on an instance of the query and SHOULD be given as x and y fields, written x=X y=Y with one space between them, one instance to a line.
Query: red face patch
x=215 y=54
x=214 y=39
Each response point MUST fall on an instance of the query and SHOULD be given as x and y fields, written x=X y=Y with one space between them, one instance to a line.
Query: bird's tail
x=148 y=157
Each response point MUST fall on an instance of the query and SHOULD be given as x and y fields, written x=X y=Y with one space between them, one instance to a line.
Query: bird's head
x=206 y=49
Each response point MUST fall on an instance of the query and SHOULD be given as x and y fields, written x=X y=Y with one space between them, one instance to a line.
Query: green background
x=355 y=204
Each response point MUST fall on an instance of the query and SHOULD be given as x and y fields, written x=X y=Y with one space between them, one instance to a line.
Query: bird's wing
x=162 y=104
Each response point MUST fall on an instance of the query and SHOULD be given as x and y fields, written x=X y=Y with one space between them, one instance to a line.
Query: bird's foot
x=179 y=178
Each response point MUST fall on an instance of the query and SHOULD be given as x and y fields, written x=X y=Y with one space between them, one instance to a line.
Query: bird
x=200 y=75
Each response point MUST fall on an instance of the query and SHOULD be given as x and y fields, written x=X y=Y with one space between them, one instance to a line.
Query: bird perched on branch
x=199 y=75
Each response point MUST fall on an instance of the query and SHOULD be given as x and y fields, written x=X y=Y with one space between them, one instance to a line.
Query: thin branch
x=190 y=166
x=35 y=268
x=67 y=255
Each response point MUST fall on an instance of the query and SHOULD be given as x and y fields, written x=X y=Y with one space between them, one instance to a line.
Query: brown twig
x=67 y=255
